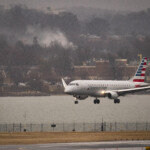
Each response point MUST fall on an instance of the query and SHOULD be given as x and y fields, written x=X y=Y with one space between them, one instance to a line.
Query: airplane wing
x=123 y=92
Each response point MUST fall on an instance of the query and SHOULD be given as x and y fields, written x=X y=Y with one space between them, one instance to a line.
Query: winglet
x=64 y=83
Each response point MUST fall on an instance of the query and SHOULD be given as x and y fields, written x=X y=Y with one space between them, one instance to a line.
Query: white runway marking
x=116 y=145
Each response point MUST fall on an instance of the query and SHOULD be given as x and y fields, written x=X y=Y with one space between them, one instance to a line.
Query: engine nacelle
x=112 y=95
x=81 y=97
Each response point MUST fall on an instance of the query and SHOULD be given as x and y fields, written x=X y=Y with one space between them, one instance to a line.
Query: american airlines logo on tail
x=140 y=73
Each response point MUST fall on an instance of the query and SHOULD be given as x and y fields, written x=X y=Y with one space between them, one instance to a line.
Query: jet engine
x=80 y=97
x=112 y=95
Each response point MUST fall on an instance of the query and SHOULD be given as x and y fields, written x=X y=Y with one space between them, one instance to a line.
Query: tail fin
x=64 y=83
x=140 y=73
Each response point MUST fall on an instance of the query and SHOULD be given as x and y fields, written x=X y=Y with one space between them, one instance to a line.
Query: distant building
x=103 y=69
x=85 y=70
x=122 y=62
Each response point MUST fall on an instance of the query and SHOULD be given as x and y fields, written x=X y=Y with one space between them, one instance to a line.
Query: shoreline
x=37 y=93
x=42 y=95
x=23 y=94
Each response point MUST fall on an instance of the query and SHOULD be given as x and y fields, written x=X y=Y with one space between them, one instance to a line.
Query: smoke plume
x=46 y=37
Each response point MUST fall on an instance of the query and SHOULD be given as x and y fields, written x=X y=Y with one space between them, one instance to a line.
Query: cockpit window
x=73 y=84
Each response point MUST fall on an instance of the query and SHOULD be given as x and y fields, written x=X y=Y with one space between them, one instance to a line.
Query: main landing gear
x=76 y=102
x=116 y=101
x=96 y=101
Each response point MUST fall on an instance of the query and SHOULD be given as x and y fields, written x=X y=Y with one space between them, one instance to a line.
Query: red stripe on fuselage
x=138 y=80
x=137 y=85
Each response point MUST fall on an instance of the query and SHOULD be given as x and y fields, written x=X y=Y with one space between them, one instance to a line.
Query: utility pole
x=140 y=56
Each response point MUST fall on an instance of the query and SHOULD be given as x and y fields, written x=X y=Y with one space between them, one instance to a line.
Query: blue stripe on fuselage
x=138 y=74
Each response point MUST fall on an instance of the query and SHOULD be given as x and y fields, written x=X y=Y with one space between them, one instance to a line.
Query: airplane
x=81 y=89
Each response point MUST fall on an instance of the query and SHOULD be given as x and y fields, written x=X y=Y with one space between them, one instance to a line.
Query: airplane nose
x=67 y=90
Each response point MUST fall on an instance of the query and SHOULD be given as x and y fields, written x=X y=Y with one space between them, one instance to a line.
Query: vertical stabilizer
x=140 y=73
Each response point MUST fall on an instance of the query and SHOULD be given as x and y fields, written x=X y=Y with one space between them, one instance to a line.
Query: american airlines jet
x=112 y=89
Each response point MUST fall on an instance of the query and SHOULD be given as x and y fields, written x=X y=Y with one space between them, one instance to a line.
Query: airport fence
x=75 y=127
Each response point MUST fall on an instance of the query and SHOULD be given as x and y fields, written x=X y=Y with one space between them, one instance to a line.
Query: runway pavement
x=116 y=145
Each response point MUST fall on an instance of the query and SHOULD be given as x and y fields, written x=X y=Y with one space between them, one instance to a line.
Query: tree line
x=121 y=36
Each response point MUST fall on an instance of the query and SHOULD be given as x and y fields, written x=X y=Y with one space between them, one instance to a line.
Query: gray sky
x=123 y=5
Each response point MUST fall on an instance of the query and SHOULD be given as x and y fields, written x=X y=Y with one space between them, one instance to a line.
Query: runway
x=116 y=145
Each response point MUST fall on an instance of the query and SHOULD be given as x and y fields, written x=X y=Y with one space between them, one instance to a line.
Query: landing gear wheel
x=76 y=102
x=116 y=101
x=96 y=101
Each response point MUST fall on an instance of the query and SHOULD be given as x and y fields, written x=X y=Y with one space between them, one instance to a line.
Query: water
x=61 y=109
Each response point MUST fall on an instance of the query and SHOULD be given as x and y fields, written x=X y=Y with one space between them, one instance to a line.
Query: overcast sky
x=123 y=5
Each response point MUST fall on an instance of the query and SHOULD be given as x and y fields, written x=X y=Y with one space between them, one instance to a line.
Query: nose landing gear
x=96 y=101
x=116 y=101
x=76 y=102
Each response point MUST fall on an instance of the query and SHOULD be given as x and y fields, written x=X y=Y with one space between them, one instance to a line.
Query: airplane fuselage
x=97 y=88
